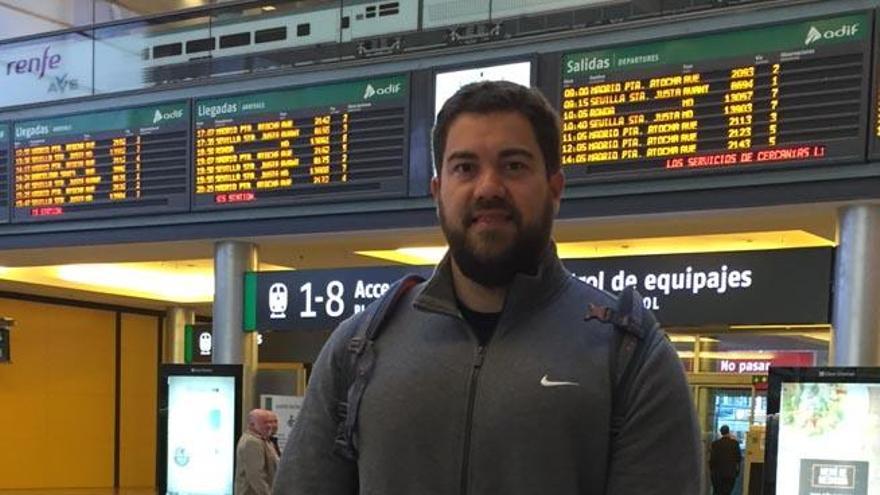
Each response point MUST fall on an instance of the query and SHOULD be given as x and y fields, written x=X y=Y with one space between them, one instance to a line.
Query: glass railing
x=247 y=37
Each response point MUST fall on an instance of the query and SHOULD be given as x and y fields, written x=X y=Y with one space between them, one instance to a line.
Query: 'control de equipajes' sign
x=791 y=286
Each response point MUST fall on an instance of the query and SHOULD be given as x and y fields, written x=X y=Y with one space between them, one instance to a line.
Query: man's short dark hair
x=725 y=430
x=502 y=96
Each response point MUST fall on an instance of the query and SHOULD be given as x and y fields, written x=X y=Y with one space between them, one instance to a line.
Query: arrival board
x=4 y=171
x=324 y=143
x=114 y=163
x=769 y=96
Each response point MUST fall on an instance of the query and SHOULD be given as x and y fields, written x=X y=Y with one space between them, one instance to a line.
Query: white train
x=313 y=23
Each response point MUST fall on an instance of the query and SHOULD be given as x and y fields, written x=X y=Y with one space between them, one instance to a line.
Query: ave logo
x=814 y=34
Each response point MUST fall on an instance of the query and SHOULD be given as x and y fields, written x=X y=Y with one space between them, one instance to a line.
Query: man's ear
x=435 y=187
x=557 y=184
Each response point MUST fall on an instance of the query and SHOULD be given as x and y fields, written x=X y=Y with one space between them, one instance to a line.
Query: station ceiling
x=185 y=268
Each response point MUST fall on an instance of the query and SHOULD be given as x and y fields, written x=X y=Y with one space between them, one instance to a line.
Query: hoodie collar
x=525 y=294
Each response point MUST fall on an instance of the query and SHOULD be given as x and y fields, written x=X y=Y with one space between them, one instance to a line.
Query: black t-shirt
x=483 y=324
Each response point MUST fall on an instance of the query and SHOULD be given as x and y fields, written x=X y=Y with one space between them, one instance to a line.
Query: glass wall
x=89 y=51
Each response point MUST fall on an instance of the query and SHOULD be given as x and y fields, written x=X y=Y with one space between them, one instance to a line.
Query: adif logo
x=845 y=31
x=391 y=89
x=174 y=114
x=277 y=301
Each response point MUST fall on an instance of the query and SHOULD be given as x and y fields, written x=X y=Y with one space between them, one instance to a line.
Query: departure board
x=789 y=94
x=102 y=164
x=4 y=173
x=875 y=128
x=323 y=143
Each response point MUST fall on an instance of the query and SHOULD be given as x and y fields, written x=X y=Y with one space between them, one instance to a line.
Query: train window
x=202 y=45
x=233 y=40
x=389 y=9
x=346 y=22
x=168 y=50
x=303 y=29
x=371 y=11
x=273 y=34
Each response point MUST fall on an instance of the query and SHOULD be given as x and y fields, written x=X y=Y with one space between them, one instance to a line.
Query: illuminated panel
x=324 y=143
x=782 y=94
x=4 y=173
x=875 y=131
x=115 y=163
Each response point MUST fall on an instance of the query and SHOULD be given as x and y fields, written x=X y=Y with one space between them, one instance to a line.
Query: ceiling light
x=141 y=281
x=711 y=243
x=740 y=355
x=409 y=255
x=268 y=8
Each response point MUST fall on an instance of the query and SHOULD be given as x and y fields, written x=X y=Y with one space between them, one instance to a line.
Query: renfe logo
x=34 y=65
x=814 y=35
x=392 y=88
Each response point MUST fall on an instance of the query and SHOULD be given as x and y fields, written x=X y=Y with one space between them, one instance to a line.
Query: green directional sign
x=349 y=93
x=806 y=36
x=156 y=117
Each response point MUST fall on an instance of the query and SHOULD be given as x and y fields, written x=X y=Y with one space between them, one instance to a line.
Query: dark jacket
x=443 y=416
x=725 y=457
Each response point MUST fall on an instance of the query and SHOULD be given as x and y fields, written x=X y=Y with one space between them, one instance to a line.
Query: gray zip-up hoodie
x=529 y=413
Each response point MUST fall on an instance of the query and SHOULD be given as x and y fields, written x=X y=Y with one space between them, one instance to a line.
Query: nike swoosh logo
x=549 y=383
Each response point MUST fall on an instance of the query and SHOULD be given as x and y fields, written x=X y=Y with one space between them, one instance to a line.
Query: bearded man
x=487 y=378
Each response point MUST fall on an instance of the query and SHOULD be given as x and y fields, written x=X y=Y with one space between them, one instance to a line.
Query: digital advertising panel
x=825 y=437
x=199 y=420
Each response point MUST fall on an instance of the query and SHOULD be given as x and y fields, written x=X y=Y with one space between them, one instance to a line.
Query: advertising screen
x=197 y=438
x=787 y=94
x=323 y=143
x=828 y=436
x=102 y=164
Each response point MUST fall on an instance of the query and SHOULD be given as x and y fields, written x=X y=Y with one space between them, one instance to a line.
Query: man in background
x=256 y=459
x=273 y=435
x=724 y=461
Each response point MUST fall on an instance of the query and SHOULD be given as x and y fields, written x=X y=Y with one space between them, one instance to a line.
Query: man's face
x=273 y=423
x=266 y=424
x=494 y=199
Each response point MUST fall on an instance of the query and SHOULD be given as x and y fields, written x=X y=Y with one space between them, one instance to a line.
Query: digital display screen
x=829 y=439
x=4 y=173
x=113 y=163
x=875 y=130
x=447 y=83
x=784 y=94
x=329 y=142
x=201 y=435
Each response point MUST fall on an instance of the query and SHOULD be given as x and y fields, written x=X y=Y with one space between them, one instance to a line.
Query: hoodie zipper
x=472 y=395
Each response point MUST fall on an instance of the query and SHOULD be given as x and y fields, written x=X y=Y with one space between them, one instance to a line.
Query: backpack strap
x=633 y=325
x=362 y=357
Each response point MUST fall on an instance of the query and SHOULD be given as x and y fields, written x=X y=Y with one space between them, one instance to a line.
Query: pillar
x=856 y=305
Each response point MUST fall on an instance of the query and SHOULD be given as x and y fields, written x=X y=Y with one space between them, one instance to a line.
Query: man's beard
x=479 y=255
